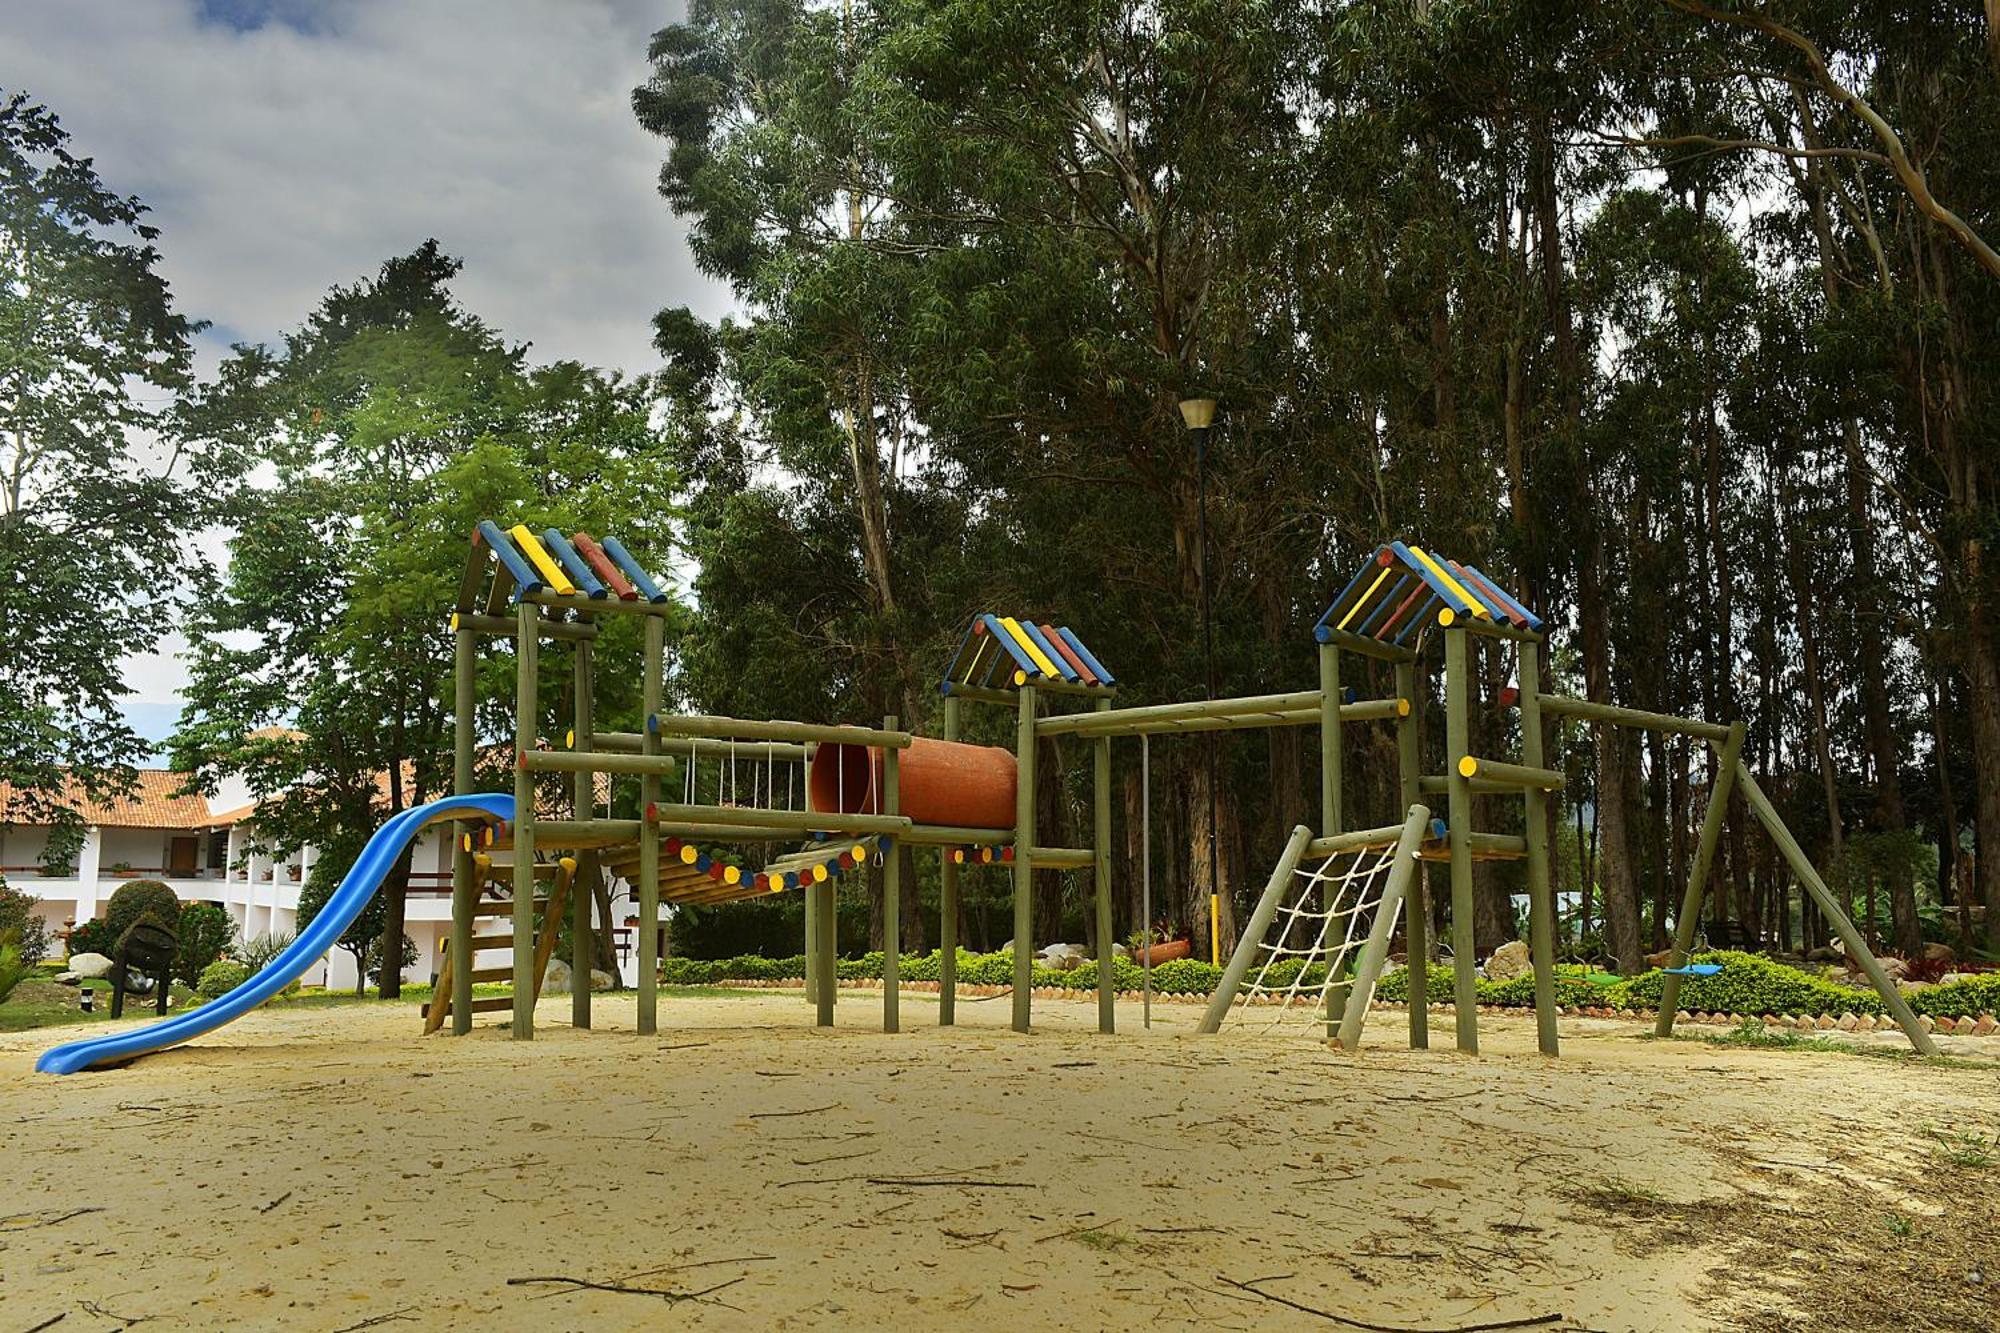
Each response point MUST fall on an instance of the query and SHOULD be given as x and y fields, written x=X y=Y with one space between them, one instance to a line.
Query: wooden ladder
x=491 y=904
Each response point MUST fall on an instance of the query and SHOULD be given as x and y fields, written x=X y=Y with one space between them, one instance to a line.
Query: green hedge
x=1747 y=984
x=1960 y=999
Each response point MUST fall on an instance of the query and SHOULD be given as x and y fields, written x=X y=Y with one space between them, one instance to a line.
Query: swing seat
x=1694 y=970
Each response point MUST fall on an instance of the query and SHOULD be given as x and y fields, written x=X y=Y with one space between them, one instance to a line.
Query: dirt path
x=324 y=1169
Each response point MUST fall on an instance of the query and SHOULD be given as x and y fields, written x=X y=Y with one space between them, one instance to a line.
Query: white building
x=205 y=854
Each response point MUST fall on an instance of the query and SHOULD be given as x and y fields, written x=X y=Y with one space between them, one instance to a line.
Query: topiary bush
x=219 y=978
x=141 y=899
x=1968 y=998
x=206 y=933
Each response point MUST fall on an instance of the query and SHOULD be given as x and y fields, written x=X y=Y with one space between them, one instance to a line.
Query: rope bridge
x=1319 y=936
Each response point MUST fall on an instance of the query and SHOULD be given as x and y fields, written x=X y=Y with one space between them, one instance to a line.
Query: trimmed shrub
x=17 y=915
x=1968 y=998
x=142 y=899
x=13 y=966
x=219 y=978
x=1747 y=984
x=206 y=932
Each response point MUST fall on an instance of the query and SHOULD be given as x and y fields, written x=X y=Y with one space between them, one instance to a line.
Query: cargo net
x=1304 y=965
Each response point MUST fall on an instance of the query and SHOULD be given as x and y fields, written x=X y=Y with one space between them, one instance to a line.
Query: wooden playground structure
x=849 y=793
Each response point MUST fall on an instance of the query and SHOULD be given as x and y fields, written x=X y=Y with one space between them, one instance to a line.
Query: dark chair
x=149 y=948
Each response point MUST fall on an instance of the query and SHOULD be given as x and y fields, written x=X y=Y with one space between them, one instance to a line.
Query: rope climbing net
x=1305 y=962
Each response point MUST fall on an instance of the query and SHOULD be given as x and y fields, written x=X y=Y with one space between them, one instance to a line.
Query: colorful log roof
x=999 y=652
x=524 y=561
x=1403 y=585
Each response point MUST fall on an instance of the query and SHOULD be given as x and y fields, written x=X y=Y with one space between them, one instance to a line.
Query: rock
x=1926 y=1022
x=1895 y=968
x=1847 y=1022
x=1986 y=1025
x=1120 y=951
x=1008 y=947
x=1947 y=1025
x=1950 y=977
x=1824 y=1023
x=1062 y=962
x=1510 y=960
x=1912 y=987
x=556 y=979
x=1660 y=959
x=1827 y=953
x=601 y=980
x=67 y=979
x=1936 y=952
x=90 y=966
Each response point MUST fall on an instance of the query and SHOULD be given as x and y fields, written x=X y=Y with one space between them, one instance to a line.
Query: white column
x=87 y=862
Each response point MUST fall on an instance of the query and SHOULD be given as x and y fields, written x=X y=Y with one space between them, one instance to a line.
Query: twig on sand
x=668 y=1295
x=1175 y=1231
x=781 y=1115
x=953 y=1182
x=684 y=1046
x=391 y=1317
x=27 y=1222
x=704 y=1263
x=1077 y=1231
x=837 y=1157
x=1531 y=1321
x=50 y=1322
x=971 y=1238
x=275 y=1202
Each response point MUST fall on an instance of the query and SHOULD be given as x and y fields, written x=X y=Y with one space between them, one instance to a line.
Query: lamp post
x=1199 y=415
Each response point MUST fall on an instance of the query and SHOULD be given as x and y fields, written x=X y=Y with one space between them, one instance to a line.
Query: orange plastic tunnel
x=939 y=782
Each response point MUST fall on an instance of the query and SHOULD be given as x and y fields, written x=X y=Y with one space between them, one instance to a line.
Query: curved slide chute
x=355 y=890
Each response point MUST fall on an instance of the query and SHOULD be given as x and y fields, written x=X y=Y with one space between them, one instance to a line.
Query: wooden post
x=1417 y=906
x=1829 y=906
x=892 y=891
x=527 y=709
x=829 y=951
x=1541 y=893
x=812 y=944
x=582 y=957
x=1375 y=951
x=1331 y=749
x=464 y=886
x=1024 y=861
x=1689 y=920
x=652 y=668
x=1332 y=768
x=1254 y=931
x=948 y=906
x=1457 y=729
x=1100 y=845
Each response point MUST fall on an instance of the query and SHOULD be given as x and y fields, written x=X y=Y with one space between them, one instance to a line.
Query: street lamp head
x=1198 y=413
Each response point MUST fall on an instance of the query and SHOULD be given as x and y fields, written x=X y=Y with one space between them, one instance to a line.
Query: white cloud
x=279 y=161
x=284 y=147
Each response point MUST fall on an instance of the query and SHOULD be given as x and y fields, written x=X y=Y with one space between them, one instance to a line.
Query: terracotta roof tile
x=156 y=802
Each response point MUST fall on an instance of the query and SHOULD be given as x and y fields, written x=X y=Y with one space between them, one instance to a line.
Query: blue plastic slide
x=346 y=903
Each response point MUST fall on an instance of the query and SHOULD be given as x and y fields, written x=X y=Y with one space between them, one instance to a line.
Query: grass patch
x=41 y=1003
x=1962 y=1148
x=1753 y=1034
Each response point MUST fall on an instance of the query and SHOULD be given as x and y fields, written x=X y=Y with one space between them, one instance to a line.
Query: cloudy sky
x=286 y=145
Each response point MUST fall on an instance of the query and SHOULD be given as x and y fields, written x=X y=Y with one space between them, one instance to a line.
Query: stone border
x=1983 y=1026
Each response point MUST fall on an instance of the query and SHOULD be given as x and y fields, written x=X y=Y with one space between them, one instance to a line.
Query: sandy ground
x=331 y=1169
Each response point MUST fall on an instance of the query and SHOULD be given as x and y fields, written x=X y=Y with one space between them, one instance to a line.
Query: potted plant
x=1169 y=943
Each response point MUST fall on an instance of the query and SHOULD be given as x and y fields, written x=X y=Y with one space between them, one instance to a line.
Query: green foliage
x=17 y=916
x=142 y=900
x=92 y=936
x=1748 y=984
x=206 y=933
x=219 y=978
x=1965 y=1149
x=13 y=966
x=257 y=954
x=91 y=519
x=1968 y=997
x=59 y=853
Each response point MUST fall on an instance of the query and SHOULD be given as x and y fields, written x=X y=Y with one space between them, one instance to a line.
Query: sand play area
x=331 y=1169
